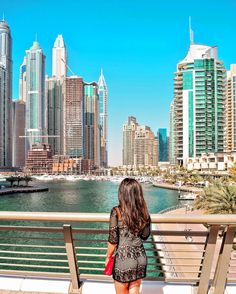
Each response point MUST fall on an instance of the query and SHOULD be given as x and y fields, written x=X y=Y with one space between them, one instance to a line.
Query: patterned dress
x=131 y=259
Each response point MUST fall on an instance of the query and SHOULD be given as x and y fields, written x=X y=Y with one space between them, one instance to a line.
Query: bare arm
x=113 y=234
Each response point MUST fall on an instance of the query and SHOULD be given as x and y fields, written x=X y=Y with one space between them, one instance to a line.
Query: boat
x=187 y=196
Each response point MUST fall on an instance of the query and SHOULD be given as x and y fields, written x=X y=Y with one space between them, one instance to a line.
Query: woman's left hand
x=106 y=261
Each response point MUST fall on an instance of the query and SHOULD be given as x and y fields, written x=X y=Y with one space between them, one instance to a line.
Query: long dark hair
x=133 y=206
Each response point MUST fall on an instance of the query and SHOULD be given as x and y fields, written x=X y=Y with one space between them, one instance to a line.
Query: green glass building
x=35 y=96
x=198 y=103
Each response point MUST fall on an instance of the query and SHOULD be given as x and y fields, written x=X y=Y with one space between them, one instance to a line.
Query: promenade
x=185 y=257
x=177 y=188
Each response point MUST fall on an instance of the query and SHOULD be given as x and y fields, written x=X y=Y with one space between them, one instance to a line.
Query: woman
x=129 y=225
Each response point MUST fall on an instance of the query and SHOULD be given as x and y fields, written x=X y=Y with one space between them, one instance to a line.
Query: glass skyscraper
x=198 y=103
x=91 y=124
x=35 y=96
x=5 y=94
x=162 y=145
x=103 y=95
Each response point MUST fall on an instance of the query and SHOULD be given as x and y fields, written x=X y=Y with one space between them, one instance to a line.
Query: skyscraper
x=5 y=94
x=59 y=58
x=73 y=117
x=35 y=96
x=22 y=81
x=129 y=129
x=162 y=145
x=171 y=137
x=91 y=124
x=18 y=133
x=230 y=110
x=54 y=89
x=145 y=148
x=198 y=103
x=103 y=95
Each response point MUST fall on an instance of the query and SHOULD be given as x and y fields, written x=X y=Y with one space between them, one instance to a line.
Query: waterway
x=64 y=196
x=83 y=196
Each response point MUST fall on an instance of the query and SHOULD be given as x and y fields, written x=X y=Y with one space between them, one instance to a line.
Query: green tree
x=11 y=180
x=217 y=199
x=27 y=179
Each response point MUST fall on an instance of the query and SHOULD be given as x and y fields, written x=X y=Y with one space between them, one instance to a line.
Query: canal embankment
x=30 y=189
x=182 y=188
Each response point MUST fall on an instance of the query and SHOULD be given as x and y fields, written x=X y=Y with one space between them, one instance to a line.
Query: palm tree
x=217 y=199
x=232 y=172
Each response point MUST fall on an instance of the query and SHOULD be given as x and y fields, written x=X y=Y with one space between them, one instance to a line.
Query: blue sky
x=137 y=43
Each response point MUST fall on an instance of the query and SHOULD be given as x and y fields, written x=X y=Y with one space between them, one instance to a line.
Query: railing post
x=219 y=281
x=208 y=258
x=72 y=260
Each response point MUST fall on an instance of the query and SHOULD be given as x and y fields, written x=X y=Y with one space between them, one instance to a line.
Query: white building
x=59 y=58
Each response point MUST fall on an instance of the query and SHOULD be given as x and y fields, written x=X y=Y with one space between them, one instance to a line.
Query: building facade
x=171 y=137
x=18 y=134
x=103 y=118
x=91 y=124
x=59 y=58
x=145 y=148
x=129 y=129
x=54 y=97
x=73 y=117
x=35 y=129
x=162 y=145
x=230 y=110
x=22 y=81
x=199 y=86
x=39 y=159
x=5 y=95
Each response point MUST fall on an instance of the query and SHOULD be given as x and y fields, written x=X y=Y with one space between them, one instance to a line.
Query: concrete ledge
x=25 y=284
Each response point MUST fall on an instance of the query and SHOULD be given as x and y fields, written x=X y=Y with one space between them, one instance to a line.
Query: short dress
x=131 y=260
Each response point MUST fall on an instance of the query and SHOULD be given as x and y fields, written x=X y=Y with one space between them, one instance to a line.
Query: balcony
x=44 y=251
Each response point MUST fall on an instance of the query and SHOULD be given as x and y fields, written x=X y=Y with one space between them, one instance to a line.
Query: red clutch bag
x=109 y=268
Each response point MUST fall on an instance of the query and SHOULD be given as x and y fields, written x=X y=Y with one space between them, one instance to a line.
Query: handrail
x=104 y=217
x=72 y=252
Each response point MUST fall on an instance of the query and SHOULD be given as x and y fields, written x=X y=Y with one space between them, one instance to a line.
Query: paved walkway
x=189 y=254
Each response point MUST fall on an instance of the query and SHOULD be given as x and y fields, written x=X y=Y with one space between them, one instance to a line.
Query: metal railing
x=73 y=245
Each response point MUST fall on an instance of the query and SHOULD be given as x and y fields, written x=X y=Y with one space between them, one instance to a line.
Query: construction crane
x=68 y=66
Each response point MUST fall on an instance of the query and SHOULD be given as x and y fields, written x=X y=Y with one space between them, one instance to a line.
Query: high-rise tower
x=230 y=110
x=129 y=130
x=22 y=81
x=198 y=103
x=91 y=125
x=103 y=95
x=74 y=117
x=35 y=96
x=54 y=96
x=5 y=94
x=59 y=58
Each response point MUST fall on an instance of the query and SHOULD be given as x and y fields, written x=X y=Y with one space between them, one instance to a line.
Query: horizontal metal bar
x=32 y=229
x=34 y=265
x=32 y=259
x=104 y=217
x=30 y=238
x=32 y=253
x=91 y=248
x=33 y=245
x=91 y=255
x=180 y=233
x=92 y=268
